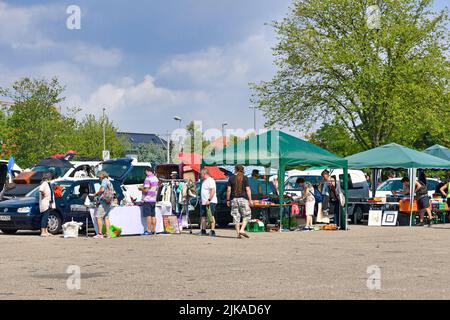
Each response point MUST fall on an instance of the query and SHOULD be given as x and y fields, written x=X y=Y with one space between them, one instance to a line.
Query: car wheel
x=358 y=214
x=54 y=223
x=9 y=231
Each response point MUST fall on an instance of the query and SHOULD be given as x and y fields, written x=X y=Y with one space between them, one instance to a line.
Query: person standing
x=446 y=187
x=149 y=194
x=209 y=202
x=239 y=198
x=255 y=185
x=331 y=197
x=105 y=197
x=422 y=198
x=309 y=200
x=45 y=202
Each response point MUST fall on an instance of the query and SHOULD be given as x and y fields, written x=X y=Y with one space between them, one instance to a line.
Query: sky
x=147 y=61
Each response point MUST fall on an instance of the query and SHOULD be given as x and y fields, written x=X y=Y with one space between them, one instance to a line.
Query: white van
x=358 y=188
x=129 y=171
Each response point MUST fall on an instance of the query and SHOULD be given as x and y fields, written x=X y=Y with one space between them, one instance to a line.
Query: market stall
x=395 y=156
x=281 y=151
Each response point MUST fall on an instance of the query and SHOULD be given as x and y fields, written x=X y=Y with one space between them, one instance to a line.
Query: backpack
x=108 y=194
x=317 y=195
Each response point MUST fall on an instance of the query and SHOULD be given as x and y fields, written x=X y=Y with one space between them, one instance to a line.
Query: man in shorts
x=239 y=199
x=209 y=201
x=149 y=194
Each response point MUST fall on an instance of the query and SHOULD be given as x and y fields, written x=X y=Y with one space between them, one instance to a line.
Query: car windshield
x=291 y=184
x=33 y=193
x=59 y=172
x=391 y=185
x=114 y=170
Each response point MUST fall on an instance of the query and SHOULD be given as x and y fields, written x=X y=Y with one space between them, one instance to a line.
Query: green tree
x=336 y=140
x=384 y=85
x=88 y=138
x=152 y=153
x=35 y=124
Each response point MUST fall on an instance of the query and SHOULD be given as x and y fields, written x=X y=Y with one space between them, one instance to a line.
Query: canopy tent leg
x=281 y=172
x=412 y=186
x=344 y=214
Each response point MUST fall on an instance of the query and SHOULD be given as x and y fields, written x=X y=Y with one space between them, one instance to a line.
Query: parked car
x=358 y=188
x=395 y=184
x=23 y=213
x=127 y=170
x=28 y=180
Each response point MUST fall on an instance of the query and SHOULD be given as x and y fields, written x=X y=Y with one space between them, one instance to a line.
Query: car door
x=75 y=199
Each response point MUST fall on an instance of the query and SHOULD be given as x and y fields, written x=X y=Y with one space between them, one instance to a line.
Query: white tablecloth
x=131 y=221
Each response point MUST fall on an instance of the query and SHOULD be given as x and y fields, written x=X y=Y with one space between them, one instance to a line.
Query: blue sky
x=147 y=61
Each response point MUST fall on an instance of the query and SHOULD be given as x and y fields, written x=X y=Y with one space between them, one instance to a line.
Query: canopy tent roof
x=274 y=149
x=439 y=151
x=395 y=156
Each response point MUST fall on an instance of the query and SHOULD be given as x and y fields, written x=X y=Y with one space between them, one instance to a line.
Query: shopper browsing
x=309 y=200
x=239 y=198
x=45 y=202
x=256 y=185
x=446 y=187
x=423 y=200
x=331 y=193
x=105 y=196
x=149 y=194
x=209 y=202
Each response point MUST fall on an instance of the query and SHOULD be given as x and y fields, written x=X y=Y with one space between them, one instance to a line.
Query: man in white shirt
x=209 y=203
x=45 y=203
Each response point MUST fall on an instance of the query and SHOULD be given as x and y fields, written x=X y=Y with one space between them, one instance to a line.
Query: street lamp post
x=176 y=118
x=223 y=133
x=254 y=117
x=104 y=130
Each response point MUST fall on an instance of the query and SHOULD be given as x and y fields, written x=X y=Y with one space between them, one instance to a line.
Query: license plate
x=5 y=218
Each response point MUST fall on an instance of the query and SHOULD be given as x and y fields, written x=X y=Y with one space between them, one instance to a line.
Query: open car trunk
x=3 y=174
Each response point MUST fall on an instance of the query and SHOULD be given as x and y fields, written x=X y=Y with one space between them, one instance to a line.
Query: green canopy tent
x=439 y=151
x=395 y=156
x=279 y=150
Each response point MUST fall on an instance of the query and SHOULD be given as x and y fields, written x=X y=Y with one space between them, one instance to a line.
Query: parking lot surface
x=400 y=263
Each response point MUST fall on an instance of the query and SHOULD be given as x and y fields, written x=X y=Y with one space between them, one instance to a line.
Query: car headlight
x=24 y=210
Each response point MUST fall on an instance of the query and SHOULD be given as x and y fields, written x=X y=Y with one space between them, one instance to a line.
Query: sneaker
x=146 y=233
x=98 y=236
x=212 y=233
x=203 y=233
x=420 y=224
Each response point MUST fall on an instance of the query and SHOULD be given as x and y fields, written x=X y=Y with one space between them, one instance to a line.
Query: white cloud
x=94 y=55
x=22 y=29
x=209 y=85
x=128 y=100
x=232 y=65
x=20 y=25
